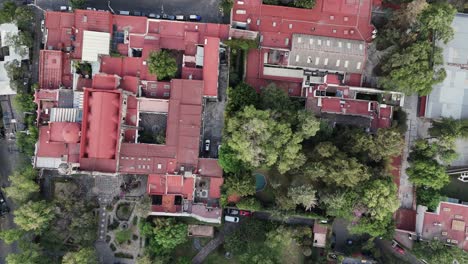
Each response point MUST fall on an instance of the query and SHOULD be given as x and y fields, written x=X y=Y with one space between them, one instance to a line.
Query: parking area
x=207 y=9
x=213 y=114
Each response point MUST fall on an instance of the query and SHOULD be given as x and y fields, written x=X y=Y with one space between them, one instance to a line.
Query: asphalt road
x=207 y=9
x=8 y=162
x=289 y=221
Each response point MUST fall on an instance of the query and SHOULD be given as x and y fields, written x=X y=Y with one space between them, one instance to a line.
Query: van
x=124 y=13
x=232 y=219
x=180 y=17
x=65 y=8
x=195 y=17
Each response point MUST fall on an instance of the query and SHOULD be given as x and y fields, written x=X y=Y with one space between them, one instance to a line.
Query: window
x=346 y=64
x=317 y=60
x=349 y=45
x=358 y=67
x=299 y=40
x=328 y=42
x=319 y=42
x=290 y=26
x=340 y=44
x=274 y=24
x=309 y=59
x=167 y=86
x=166 y=94
x=325 y=62
x=345 y=18
x=337 y=63
x=154 y=85
x=297 y=58
x=153 y=94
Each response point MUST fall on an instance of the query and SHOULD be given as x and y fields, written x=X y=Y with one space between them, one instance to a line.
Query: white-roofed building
x=9 y=53
x=326 y=53
x=95 y=44
x=450 y=98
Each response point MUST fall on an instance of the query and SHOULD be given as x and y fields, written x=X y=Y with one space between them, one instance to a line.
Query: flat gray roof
x=326 y=53
x=450 y=98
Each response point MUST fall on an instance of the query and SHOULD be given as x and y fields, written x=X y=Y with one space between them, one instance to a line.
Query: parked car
x=65 y=8
x=232 y=211
x=398 y=248
x=195 y=17
x=42 y=25
x=207 y=145
x=124 y=13
x=245 y=213
x=232 y=219
x=4 y=209
x=180 y=17
x=91 y=8
x=171 y=17
x=153 y=15
x=137 y=13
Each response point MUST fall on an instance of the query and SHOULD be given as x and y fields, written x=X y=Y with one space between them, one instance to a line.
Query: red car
x=245 y=213
x=398 y=248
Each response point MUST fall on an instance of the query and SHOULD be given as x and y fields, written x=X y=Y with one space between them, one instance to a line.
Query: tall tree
x=7 y=13
x=303 y=195
x=24 y=17
x=334 y=167
x=239 y=97
x=449 y=127
x=229 y=161
x=436 y=20
x=83 y=256
x=428 y=173
x=413 y=70
x=380 y=199
x=256 y=137
x=242 y=185
x=22 y=185
x=162 y=64
x=164 y=234
x=29 y=255
x=437 y=252
x=34 y=216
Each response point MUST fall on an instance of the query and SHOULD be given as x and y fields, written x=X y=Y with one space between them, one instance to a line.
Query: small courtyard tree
x=162 y=64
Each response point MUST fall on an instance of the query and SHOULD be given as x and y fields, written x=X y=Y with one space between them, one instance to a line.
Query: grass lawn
x=456 y=189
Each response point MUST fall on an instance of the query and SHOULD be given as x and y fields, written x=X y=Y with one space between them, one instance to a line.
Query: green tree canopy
x=242 y=185
x=436 y=19
x=239 y=97
x=249 y=203
x=7 y=13
x=380 y=198
x=334 y=167
x=449 y=128
x=256 y=137
x=428 y=197
x=29 y=255
x=162 y=64
x=229 y=160
x=164 y=234
x=77 y=4
x=83 y=256
x=24 y=16
x=242 y=44
x=437 y=252
x=34 y=216
x=428 y=173
x=303 y=195
x=22 y=185
x=413 y=70
x=304 y=3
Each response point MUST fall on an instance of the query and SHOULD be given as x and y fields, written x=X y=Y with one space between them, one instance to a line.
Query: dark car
x=231 y=211
x=4 y=209
x=171 y=17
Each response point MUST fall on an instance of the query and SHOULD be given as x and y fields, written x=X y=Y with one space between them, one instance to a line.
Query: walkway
x=406 y=190
x=214 y=243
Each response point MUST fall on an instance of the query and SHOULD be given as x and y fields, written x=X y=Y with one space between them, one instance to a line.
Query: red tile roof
x=215 y=188
x=93 y=20
x=171 y=184
x=450 y=218
x=45 y=148
x=105 y=81
x=210 y=66
x=50 y=69
x=209 y=167
x=331 y=18
x=66 y=132
x=406 y=219
x=100 y=130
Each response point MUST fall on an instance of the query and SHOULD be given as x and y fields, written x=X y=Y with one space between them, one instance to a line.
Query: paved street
x=385 y=245
x=8 y=162
x=207 y=9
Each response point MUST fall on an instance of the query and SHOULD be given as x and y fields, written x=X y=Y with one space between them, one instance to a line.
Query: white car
x=232 y=219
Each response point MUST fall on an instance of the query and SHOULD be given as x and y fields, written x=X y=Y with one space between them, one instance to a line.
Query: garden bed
x=124 y=211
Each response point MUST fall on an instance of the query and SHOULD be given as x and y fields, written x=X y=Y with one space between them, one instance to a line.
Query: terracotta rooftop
x=330 y=18
x=448 y=224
